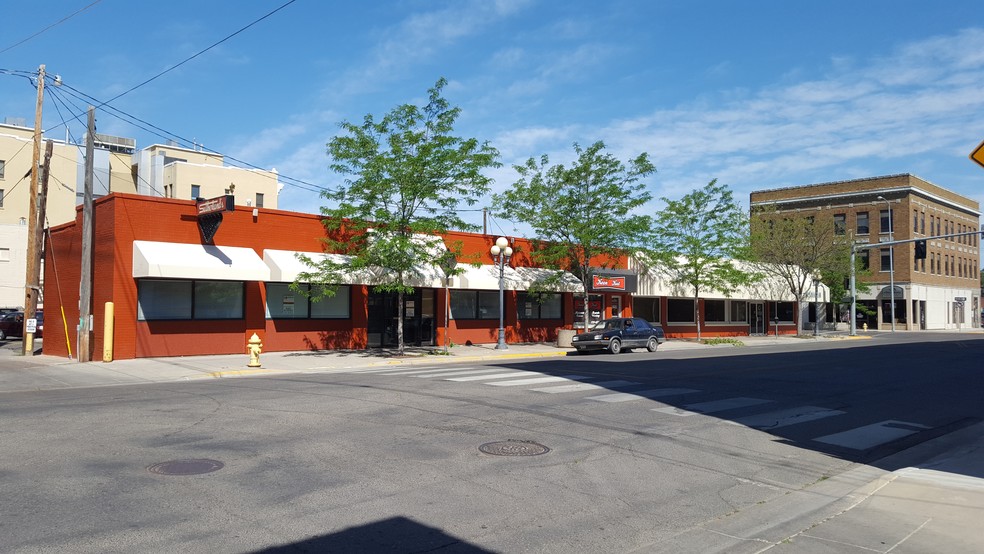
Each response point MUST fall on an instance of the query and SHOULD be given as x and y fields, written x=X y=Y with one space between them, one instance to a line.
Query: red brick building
x=174 y=295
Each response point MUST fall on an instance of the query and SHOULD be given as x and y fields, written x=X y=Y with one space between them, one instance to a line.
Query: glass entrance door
x=756 y=319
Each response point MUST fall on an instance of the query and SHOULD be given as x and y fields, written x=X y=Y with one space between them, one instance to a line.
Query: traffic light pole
x=855 y=247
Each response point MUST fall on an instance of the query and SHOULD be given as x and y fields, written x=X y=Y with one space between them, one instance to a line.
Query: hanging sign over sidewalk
x=210 y=214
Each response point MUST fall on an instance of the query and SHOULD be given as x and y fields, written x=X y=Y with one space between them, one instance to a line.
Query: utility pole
x=38 y=241
x=85 y=283
x=31 y=287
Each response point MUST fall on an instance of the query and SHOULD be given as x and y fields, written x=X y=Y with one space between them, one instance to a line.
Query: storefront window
x=474 y=304
x=218 y=300
x=158 y=300
x=332 y=307
x=680 y=310
x=284 y=303
x=739 y=311
x=785 y=310
x=542 y=306
x=714 y=311
x=182 y=299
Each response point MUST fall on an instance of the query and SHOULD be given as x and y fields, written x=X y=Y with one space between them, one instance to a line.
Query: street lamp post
x=501 y=252
x=891 y=260
x=816 y=304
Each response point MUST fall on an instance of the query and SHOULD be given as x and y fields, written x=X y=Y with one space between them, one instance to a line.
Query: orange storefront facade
x=175 y=295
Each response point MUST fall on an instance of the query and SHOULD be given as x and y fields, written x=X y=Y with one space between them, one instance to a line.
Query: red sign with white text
x=599 y=282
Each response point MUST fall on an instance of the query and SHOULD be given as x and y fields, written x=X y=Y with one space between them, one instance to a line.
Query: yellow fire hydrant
x=865 y=327
x=253 y=347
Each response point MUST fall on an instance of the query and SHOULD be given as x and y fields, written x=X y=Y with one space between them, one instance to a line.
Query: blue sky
x=758 y=94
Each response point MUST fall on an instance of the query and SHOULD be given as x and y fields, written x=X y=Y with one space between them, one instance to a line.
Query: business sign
x=224 y=203
x=604 y=282
x=210 y=214
x=615 y=282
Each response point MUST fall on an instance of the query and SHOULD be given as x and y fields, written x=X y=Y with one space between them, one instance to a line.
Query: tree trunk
x=587 y=309
x=697 y=315
x=399 y=322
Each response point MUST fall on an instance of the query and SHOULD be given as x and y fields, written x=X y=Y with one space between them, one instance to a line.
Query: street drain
x=186 y=467
x=514 y=448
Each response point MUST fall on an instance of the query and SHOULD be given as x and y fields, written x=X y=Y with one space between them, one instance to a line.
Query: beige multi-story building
x=941 y=291
x=158 y=170
x=175 y=172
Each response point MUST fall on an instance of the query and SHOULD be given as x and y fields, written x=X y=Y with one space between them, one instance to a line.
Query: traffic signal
x=920 y=250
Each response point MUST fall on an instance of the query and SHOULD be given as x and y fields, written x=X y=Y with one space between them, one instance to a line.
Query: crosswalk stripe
x=784 y=418
x=576 y=387
x=368 y=369
x=412 y=371
x=639 y=395
x=713 y=406
x=869 y=436
x=457 y=373
x=537 y=381
x=495 y=376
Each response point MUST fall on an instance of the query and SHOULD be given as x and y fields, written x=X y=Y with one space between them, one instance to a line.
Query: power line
x=193 y=56
x=168 y=135
x=60 y=21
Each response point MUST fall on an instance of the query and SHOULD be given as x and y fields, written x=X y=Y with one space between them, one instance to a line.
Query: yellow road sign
x=978 y=154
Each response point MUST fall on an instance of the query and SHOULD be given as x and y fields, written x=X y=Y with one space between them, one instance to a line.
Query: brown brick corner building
x=938 y=292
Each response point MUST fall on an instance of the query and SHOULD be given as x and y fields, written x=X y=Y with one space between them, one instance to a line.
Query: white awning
x=486 y=277
x=528 y=276
x=285 y=267
x=173 y=260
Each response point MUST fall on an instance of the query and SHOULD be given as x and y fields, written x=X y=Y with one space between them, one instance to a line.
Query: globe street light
x=501 y=252
x=891 y=261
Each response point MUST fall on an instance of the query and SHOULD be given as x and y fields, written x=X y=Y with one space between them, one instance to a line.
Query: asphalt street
x=786 y=445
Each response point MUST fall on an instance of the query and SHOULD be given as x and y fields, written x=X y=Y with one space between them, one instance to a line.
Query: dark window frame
x=476 y=315
x=523 y=297
x=885 y=259
x=673 y=311
x=866 y=228
x=192 y=294
x=886 y=221
x=305 y=295
x=714 y=307
x=784 y=310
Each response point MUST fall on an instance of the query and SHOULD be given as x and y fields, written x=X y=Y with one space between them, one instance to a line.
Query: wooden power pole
x=85 y=283
x=32 y=288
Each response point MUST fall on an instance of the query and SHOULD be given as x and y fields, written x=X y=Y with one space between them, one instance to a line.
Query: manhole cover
x=186 y=467
x=514 y=448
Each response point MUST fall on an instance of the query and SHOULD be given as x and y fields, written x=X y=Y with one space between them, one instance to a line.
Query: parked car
x=12 y=325
x=620 y=334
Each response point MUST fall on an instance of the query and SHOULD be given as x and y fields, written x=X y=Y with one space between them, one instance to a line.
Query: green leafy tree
x=580 y=213
x=793 y=248
x=406 y=176
x=697 y=240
